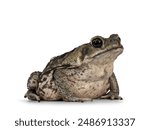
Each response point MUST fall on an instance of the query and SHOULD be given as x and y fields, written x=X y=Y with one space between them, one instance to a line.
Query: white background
x=33 y=31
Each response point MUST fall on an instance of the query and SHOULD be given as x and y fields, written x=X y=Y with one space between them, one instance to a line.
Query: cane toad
x=85 y=73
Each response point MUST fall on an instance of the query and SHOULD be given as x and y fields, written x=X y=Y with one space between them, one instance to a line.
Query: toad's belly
x=84 y=82
x=87 y=89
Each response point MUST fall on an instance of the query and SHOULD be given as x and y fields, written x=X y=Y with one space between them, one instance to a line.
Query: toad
x=83 y=74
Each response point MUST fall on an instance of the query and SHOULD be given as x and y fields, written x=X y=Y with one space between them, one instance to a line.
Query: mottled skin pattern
x=32 y=86
x=83 y=74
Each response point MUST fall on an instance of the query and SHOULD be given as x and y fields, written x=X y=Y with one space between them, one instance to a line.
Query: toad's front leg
x=31 y=95
x=114 y=89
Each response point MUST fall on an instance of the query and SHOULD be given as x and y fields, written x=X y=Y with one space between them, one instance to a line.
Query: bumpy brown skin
x=32 y=86
x=83 y=74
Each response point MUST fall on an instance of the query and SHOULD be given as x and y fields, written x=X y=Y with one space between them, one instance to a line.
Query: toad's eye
x=97 y=42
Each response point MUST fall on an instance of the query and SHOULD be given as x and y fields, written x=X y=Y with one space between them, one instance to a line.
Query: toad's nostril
x=115 y=37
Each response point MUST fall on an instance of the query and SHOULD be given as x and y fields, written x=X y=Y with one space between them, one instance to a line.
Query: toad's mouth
x=118 y=50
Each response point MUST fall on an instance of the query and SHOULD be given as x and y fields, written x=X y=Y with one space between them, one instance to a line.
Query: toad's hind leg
x=32 y=86
x=61 y=79
x=32 y=96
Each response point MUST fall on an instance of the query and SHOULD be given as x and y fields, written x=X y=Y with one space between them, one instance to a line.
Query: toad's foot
x=112 y=96
x=75 y=99
x=32 y=96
